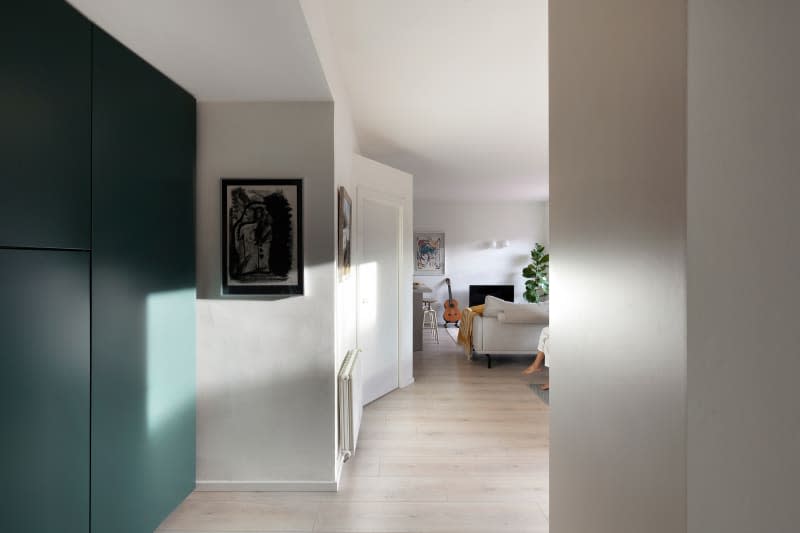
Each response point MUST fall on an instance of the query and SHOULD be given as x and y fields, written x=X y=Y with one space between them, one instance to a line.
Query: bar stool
x=429 y=320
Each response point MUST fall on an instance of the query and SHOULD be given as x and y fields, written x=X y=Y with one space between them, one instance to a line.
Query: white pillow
x=524 y=314
x=494 y=306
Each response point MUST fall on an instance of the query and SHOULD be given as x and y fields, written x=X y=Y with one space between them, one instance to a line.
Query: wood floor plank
x=462 y=467
x=431 y=517
x=464 y=449
x=287 y=515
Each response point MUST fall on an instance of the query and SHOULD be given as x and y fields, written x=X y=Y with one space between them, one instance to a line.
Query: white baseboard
x=266 y=486
x=410 y=382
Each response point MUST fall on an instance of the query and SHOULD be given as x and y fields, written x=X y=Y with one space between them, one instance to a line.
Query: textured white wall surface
x=617 y=228
x=743 y=257
x=469 y=230
x=266 y=376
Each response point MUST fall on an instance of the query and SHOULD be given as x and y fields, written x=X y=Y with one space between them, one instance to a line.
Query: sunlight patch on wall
x=368 y=294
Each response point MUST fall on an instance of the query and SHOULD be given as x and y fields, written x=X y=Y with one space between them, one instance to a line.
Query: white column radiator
x=350 y=403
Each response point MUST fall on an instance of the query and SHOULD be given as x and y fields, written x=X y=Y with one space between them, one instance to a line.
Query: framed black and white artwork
x=262 y=236
x=345 y=233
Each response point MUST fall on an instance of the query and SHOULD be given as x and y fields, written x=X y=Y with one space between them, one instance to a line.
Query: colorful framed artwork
x=428 y=253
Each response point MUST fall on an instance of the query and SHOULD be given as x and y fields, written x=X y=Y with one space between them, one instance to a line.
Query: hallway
x=463 y=449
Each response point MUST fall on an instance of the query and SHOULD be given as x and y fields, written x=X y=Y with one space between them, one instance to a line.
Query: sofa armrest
x=477 y=332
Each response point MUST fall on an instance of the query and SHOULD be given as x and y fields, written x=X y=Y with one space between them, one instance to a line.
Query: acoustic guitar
x=452 y=313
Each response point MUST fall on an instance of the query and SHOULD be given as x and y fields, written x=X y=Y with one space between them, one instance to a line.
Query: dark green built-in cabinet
x=97 y=336
x=44 y=390
x=45 y=100
x=143 y=352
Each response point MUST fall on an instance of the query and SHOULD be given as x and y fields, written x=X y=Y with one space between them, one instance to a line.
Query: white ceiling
x=233 y=50
x=453 y=91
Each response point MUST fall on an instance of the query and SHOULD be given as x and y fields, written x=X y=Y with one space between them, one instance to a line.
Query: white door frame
x=364 y=193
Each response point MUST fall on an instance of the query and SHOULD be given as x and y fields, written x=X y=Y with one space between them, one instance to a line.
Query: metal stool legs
x=429 y=322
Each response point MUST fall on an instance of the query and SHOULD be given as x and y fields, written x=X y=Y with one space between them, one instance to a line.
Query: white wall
x=345 y=149
x=617 y=232
x=266 y=377
x=370 y=175
x=345 y=145
x=469 y=228
x=744 y=288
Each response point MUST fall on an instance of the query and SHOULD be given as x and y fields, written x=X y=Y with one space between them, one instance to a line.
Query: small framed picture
x=262 y=236
x=345 y=233
x=429 y=253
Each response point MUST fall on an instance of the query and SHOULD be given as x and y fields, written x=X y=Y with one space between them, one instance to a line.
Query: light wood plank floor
x=464 y=449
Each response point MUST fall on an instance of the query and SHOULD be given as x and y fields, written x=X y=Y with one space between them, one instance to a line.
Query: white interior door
x=378 y=293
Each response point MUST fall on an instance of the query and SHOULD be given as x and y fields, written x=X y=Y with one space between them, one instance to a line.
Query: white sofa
x=508 y=329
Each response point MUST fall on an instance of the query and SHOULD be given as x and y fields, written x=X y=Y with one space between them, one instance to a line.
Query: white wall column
x=617 y=234
x=266 y=398
x=743 y=257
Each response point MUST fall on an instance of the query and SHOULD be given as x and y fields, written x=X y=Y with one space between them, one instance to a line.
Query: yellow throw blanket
x=465 y=330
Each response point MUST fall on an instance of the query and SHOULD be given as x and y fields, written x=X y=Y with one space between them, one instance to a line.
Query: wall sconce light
x=500 y=244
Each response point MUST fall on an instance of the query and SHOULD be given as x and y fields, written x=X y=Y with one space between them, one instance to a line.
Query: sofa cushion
x=491 y=336
x=494 y=306
x=524 y=314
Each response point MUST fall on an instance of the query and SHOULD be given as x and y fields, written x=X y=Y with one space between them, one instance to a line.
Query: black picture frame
x=262 y=235
x=345 y=244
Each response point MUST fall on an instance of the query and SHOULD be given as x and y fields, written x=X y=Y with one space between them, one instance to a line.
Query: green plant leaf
x=537 y=284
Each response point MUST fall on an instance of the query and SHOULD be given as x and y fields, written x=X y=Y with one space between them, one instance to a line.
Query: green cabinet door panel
x=45 y=61
x=44 y=391
x=143 y=292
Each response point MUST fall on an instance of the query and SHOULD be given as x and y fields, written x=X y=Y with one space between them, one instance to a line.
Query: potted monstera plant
x=536 y=274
